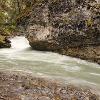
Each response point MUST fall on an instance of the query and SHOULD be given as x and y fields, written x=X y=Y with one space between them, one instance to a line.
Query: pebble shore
x=16 y=86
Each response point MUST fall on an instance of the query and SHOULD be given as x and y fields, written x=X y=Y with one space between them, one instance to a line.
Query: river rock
x=24 y=86
x=70 y=27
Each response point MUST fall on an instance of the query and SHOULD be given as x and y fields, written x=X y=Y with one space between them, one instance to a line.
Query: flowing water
x=20 y=57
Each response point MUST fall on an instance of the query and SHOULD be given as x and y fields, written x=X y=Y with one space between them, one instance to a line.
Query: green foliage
x=9 y=10
x=89 y=22
x=2 y=39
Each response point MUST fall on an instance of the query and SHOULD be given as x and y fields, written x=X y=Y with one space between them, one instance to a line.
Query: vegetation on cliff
x=8 y=14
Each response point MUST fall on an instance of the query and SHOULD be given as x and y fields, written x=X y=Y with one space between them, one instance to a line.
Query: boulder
x=70 y=27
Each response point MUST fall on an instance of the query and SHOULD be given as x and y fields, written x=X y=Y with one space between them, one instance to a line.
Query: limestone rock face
x=70 y=27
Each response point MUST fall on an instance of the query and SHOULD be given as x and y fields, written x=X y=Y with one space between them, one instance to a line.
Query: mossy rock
x=4 y=42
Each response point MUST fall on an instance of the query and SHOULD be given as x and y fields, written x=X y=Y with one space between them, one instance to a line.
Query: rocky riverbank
x=23 y=86
x=64 y=26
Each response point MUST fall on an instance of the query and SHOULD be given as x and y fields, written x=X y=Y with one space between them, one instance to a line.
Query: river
x=20 y=57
